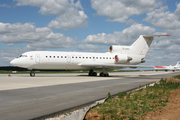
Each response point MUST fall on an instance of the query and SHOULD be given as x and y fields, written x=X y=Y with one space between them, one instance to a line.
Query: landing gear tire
x=92 y=73
x=104 y=74
x=101 y=74
x=32 y=74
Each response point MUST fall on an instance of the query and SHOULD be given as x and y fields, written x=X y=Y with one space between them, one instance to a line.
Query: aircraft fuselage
x=65 y=60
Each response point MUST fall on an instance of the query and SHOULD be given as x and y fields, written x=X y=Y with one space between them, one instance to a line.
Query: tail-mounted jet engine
x=122 y=58
x=115 y=48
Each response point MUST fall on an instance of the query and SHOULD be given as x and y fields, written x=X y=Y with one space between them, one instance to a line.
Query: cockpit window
x=19 y=56
x=22 y=56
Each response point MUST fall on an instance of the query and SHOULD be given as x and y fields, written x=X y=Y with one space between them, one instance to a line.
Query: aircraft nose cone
x=19 y=63
x=13 y=62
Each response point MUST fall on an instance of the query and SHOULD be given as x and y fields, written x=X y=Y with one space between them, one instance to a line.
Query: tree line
x=12 y=68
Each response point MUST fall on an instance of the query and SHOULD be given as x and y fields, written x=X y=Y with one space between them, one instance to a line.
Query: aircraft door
x=37 y=58
x=68 y=59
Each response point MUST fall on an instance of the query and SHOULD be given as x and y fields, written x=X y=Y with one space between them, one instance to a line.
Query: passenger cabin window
x=46 y=56
x=50 y=56
x=57 y=56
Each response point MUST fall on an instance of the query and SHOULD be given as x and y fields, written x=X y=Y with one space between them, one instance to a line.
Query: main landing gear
x=32 y=74
x=92 y=73
x=102 y=74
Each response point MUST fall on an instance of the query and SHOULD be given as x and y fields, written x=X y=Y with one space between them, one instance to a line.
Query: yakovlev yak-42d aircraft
x=166 y=68
x=118 y=57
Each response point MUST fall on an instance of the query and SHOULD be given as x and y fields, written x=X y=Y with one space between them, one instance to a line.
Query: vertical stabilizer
x=142 y=44
x=178 y=64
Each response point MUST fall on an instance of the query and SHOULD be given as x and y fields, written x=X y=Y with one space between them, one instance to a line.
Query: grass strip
x=134 y=105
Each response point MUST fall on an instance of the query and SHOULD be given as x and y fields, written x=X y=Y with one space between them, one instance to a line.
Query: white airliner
x=166 y=68
x=118 y=57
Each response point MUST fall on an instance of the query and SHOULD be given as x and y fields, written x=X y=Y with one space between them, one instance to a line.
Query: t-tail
x=142 y=44
x=137 y=51
x=177 y=65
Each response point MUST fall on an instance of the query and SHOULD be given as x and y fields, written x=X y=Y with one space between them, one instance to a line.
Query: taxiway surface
x=23 y=97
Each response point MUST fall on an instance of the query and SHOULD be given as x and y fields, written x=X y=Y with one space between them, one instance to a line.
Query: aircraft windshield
x=19 y=56
x=22 y=56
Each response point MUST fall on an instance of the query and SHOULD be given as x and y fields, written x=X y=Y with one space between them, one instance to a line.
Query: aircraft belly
x=56 y=66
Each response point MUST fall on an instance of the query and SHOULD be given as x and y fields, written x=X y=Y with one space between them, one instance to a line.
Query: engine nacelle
x=119 y=49
x=115 y=48
x=122 y=58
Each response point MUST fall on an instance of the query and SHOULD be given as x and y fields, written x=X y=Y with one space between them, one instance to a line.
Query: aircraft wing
x=112 y=66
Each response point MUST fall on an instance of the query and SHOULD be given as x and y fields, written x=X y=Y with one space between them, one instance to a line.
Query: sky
x=89 y=26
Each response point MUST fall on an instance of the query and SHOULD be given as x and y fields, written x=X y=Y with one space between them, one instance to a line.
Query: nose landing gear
x=32 y=74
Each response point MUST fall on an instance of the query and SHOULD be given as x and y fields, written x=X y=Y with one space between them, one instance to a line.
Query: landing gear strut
x=92 y=73
x=32 y=74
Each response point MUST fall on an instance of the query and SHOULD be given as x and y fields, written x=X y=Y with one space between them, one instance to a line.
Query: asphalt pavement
x=23 y=97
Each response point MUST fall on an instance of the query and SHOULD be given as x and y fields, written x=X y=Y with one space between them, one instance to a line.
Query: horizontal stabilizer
x=150 y=36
